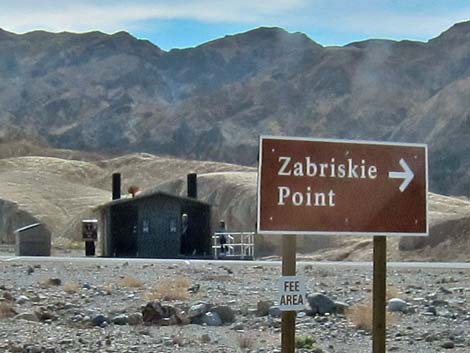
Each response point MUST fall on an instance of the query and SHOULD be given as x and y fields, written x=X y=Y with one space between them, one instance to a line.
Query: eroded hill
x=60 y=191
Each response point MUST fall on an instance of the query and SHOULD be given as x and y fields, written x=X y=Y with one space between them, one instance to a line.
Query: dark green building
x=155 y=225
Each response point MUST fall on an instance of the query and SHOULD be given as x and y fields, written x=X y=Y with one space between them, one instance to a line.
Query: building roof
x=34 y=225
x=148 y=194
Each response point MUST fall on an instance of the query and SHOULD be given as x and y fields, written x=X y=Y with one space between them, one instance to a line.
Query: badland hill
x=61 y=187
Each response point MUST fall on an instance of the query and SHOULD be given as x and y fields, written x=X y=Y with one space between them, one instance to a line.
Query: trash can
x=33 y=240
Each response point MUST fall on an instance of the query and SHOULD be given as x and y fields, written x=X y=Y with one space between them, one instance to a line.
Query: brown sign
x=90 y=230
x=308 y=186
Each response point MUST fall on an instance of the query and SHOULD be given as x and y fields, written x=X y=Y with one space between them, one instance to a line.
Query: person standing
x=222 y=237
x=184 y=234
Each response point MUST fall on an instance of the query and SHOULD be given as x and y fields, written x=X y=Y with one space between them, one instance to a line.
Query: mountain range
x=117 y=94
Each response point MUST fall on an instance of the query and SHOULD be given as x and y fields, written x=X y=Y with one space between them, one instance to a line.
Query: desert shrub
x=392 y=292
x=361 y=313
x=68 y=242
x=305 y=342
x=178 y=339
x=50 y=282
x=6 y=311
x=361 y=316
x=218 y=278
x=71 y=287
x=108 y=289
x=170 y=289
x=130 y=282
x=54 y=282
x=76 y=245
x=246 y=342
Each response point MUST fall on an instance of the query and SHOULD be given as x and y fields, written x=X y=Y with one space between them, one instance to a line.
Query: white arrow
x=407 y=175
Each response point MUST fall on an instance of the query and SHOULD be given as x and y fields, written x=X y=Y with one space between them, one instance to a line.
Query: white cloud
x=370 y=18
x=111 y=16
x=403 y=25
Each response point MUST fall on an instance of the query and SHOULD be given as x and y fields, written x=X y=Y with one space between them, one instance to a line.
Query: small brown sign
x=310 y=186
x=90 y=230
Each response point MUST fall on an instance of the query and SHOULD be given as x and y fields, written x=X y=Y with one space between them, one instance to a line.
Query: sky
x=180 y=24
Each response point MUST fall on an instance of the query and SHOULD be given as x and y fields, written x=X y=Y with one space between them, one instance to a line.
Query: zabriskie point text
x=349 y=169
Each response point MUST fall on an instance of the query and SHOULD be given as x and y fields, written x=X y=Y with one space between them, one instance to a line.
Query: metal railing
x=7 y=248
x=238 y=245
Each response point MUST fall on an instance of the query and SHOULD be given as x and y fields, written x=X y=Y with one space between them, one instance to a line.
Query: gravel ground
x=65 y=307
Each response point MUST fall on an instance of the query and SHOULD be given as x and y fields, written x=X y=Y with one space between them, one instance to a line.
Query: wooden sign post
x=336 y=187
x=379 y=294
x=288 y=317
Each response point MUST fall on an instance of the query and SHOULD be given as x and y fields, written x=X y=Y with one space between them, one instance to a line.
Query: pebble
x=54 y=281
x=448 y=344
x=21 y=299
x=205 y=338
x=431 y=310
x=98 y=320
x=274 y=311
x=238 y=326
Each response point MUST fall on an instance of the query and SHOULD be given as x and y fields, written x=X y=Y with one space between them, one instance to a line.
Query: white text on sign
x=349 y=169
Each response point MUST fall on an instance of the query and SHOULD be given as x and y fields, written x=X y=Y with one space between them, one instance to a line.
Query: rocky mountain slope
x=115 y=93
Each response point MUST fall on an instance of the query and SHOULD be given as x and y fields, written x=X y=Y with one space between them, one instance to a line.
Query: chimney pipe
x=116 y=186
x=192 y=185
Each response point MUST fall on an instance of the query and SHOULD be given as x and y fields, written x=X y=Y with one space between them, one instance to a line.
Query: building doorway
x=124 y=230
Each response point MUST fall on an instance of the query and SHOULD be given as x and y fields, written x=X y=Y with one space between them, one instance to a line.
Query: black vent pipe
x=116 y=186
x=192 y=185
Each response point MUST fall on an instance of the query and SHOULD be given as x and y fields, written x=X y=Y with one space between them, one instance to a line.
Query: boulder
x=198 y=309
x=22 y=299
x=8 y=296
x=54 y=281
x=262 y=307
x=27 y=317
x=121 y=319
x=165 y=315
x=448 y=344
x=320 y=304
x=153 y=312
x=397 y=305
x=182 y=316
x=44 y=314
x=99 y=320
x=211 y=319
x=135 y=319
x=225 y=313
x=341 y=307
